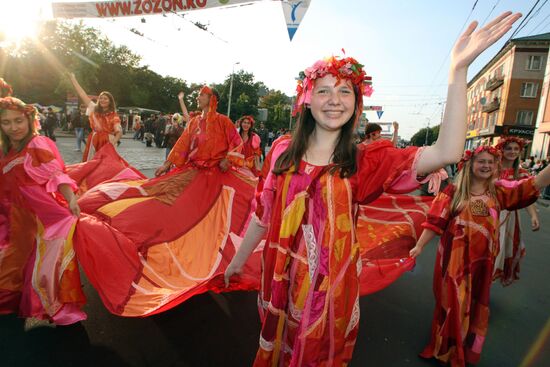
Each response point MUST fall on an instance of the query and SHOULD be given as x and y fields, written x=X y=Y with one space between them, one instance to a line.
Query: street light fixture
x=231 y=88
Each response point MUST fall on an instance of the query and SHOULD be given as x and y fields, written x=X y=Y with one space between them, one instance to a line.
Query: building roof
x=536 y=37
x=543 y=38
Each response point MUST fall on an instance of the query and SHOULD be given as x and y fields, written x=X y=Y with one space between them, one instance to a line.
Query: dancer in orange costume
x=104 y=120
x=148 y=245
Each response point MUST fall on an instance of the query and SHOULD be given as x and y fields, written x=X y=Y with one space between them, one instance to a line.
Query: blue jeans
x=79 y=131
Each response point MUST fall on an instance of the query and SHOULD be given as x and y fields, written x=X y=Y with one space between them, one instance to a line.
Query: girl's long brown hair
x=112 y=104
x=344 y=155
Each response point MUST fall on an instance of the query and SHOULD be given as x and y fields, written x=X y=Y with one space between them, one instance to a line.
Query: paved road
x=222 y=330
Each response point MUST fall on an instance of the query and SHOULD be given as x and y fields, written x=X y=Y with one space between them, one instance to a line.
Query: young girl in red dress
x=251 y=144
x=309 y=296
x=466 y=216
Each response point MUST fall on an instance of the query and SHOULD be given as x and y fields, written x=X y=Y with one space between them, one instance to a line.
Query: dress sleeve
x=116 y=124
x=513 y=195
x=91 y=108
x=234 y=142
x=523 y=173
x=382 y=167
x=256 y=145
x=180 y=152
x=439 y=215
x=267 y=186
x=4 y=225
x=44 y=165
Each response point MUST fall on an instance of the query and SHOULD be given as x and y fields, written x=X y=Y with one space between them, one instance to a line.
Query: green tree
x=245 y=95
x=419 y=139
x=279 y=107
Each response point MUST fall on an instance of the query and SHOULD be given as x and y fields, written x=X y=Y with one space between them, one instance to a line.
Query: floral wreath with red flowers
x=7 y=102
x=246 y=117
x=343 y=69
x=505 y=140
x=469 y=154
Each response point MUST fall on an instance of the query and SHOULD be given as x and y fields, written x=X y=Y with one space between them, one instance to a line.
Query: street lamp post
x=427 y=131
x=231 y=89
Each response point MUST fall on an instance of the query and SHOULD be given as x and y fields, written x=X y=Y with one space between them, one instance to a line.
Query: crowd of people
x=287 y=227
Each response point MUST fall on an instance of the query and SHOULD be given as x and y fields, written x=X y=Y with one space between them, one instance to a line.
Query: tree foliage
x=37 y=71
x=419 y=139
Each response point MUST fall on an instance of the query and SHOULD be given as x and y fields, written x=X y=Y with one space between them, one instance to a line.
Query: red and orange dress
x=252 y=152
x=512 y=248
x=104 y=126
x=148 y=245
x=310 y=286
x=39 y=274
x=464 y=268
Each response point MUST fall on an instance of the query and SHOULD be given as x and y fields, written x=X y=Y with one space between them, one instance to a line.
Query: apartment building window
x=534 y=62
x=492 y=119
x=525 y=117
x=529 y=90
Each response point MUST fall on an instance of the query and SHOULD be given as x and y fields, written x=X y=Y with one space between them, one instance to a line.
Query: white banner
x=294 y=13
x=126 y=8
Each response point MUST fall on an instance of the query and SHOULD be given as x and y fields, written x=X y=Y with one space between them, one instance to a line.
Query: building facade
x=504 y=97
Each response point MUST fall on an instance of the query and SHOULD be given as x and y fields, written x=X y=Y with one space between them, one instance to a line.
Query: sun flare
x=19 y=21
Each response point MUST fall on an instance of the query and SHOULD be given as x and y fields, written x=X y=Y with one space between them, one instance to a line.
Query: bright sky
x=403 y=44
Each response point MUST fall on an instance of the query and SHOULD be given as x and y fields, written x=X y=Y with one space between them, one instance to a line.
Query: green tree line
x=37 y=71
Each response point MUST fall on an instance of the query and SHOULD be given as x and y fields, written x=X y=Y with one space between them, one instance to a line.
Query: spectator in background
x=51 y=123
x=263 y=134
x=160 y=126
x=124 y=124
x=173 y=132
x=77 y=123
x=136 y=126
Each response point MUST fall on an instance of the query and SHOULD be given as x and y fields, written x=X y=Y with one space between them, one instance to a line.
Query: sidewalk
x=70 y=134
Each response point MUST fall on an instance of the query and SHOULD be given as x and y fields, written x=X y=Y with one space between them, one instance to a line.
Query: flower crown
x=505 y=140
x=469 y=154
x=343 y=69
x=246 y=117
x=7 y=102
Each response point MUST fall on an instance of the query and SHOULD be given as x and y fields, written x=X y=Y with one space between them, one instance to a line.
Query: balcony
x=494 y=83
x=493 y=106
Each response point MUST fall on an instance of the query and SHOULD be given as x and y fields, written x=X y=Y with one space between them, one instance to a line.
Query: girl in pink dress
x=39 y=274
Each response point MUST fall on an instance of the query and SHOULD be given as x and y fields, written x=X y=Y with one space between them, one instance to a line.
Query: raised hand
x=473 y=42
x=181 y=95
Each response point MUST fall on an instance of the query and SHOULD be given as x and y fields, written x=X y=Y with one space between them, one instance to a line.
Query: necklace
x=479 y=208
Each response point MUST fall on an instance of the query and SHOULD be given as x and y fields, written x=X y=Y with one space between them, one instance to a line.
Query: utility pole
x=231 y=89
x=427 y=131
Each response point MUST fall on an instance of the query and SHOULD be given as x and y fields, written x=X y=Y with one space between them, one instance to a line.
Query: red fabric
x=387 y=229
x=104 y=166
x=103 y=125
x=205 y=143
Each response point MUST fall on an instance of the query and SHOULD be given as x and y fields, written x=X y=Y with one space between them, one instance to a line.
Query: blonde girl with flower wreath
x=466 y=216
x=512 y=248
x=309 y=296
